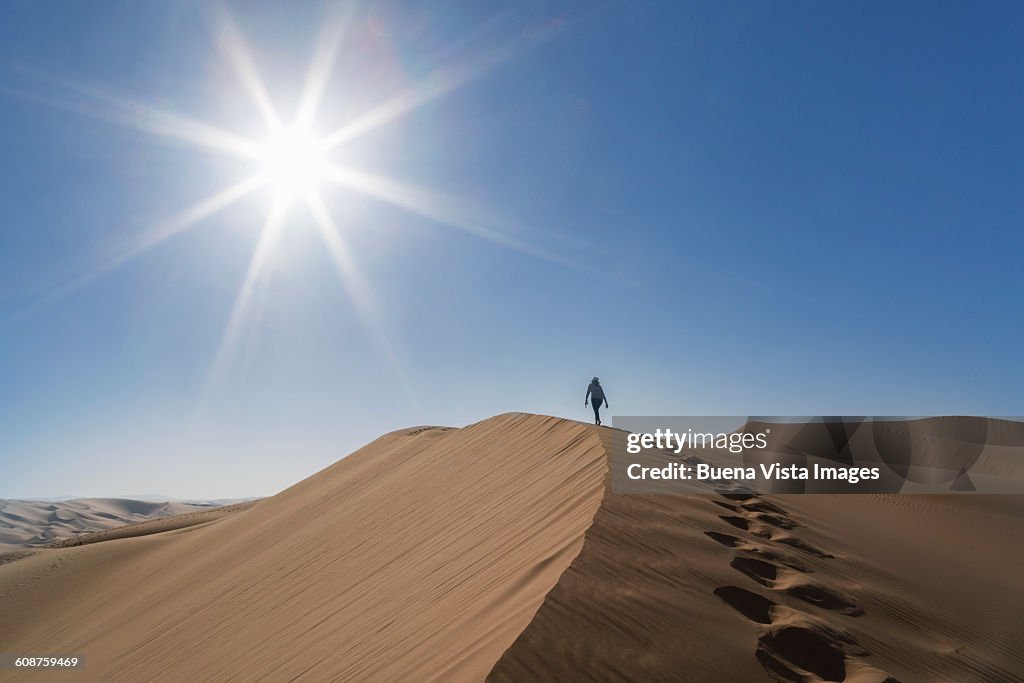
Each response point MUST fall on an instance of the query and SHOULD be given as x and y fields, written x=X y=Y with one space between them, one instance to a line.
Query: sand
x=26 y=523
x=791 y=588
x=498 y=551
x=419 y=557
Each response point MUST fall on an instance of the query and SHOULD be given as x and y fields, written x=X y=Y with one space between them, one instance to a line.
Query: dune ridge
x=419 y=557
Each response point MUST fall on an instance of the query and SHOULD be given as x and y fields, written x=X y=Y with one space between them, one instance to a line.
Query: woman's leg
x=597 y=413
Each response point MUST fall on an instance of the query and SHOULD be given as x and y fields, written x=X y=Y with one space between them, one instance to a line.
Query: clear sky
x=718 y=207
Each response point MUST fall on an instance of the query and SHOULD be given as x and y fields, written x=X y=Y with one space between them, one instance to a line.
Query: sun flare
x=294 y=161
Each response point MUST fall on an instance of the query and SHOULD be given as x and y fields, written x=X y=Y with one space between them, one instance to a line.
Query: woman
x=596 y=395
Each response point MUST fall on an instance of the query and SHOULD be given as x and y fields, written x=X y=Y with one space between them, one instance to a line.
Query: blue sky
x=720 y=208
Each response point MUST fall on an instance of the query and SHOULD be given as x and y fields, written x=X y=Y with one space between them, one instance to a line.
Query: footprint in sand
x=777 y=521
x=772 y=556
x=727 y=540
x=768 y=513
x=751 y=605
x=778 y=577
x=763 y=506
x=765 y=512
x=736 y=496
x=730 y=541
x=825 y=599
x=738 y=522
x=792 y=650
x=765 y=573
x=745 y=524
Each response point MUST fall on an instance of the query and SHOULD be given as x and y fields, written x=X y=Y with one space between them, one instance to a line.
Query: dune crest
x=422 y=556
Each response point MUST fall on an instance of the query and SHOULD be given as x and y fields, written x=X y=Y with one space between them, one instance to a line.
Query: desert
x=498 y=551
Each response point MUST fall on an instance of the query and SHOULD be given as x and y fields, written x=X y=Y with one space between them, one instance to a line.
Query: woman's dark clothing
x=595 y=394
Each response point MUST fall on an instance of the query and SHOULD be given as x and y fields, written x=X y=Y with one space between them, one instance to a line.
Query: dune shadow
x=725 y=539
x=760 y=571
x=803 y=648
x=738 y=522
x=755 y=607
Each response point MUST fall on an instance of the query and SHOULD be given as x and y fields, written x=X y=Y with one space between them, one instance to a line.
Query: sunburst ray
x=180 y=222
x=331 y=37
x=436 y=207
x=233 y=45
x=439 y=83
x=240 y=310
x=358 y=290
x=105 y=105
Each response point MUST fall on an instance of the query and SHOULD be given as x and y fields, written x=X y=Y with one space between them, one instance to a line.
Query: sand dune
x=34 y=523
x=735 y=587
x=420 y=557
x=499 y=551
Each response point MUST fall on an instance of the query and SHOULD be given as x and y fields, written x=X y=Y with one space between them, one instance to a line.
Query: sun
x=294 y=161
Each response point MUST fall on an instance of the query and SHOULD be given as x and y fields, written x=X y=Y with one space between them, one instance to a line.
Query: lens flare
x=293 y=161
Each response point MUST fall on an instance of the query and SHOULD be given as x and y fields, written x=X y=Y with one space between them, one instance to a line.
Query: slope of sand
x=499 y=551
x=25 y=523
x=733 y=587
x=419 y=557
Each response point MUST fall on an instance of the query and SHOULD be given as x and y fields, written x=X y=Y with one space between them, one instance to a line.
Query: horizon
x=728 y=209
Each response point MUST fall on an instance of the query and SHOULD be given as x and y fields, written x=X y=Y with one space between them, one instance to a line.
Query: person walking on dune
x=595 y=394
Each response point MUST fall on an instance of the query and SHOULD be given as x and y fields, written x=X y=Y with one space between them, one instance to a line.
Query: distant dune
x=26 y=523
x=498 y=551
